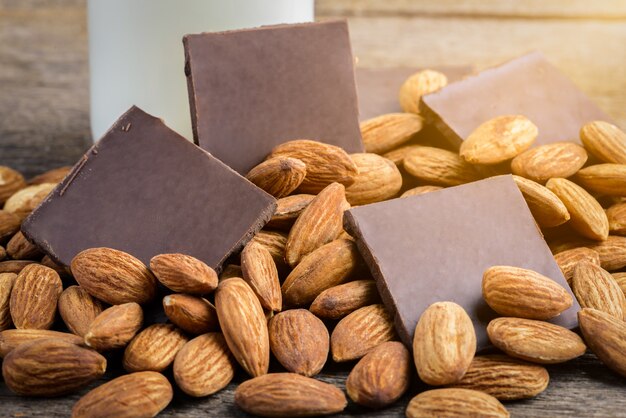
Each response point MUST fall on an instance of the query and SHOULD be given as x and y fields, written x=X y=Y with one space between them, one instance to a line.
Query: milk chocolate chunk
x=435 y=247
x=145 y=190
x=253 y=89
x=528 y=85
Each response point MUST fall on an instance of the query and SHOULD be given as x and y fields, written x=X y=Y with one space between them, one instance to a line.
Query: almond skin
x=419 y=190
x=299 y=341
x=51 y=176
x=378 y=179
x=360 y=332
x=184 y=273
x=10 y=182
x=34 y=297
x=114 y=327
x=386 y=132
x=605 y=141
x=535 y=341
x=275 y=242
x=3 y=253
x=417 y=85
x=142 y=394
x=260 y=272
x=9 y=225
x=192 y=314
x=113 y=276
x=11 y=338
x=617 y=219
x=154 y=348
x=24 y=201
x=439 y=167
x=559 y=159
x=546 y=207
x=397 y=155
x=604 y=179
x=288 y=209
x=453 y=402
x=444 y=343
x=568 y=259
x=620 y=278
x=338 y=301
x=381 y=377
x=244 y=325
x=204 y=365
x=19 y=248
x=14 y=266
x=6 y=285
x=522 y=293
x=51 y=368
x=289 y=395
x=78 y=309
x=595 y=288
x=278 y=176
x=612 y=252
x=606 y=336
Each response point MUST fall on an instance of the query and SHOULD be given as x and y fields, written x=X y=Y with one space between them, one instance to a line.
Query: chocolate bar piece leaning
x=528 y=85
x=146 y=190
x=435 y=247
x=253 y=89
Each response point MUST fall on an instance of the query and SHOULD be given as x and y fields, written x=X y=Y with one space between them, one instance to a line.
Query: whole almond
x=498 y=140
x=620 y=278
x=535 y=341
x=612 y=252
x=504 y=377
x=381 y=377
x=51 y=368
x=34 y=297
x=6 y=285
x=328 y=266
x=51 y=176
x=439 y=167
x=78 y=309
x=595 y=288
x=24 y=201
x=568 y=259
x=318 y=224
x=19 y=248
x=275 y=242
x=288 y=209
x=386 y=132
x=586 y=215
x=61 y=270
x=338 y=301
x=419 y=190
x=204 y=365
x=417 y=85
x=606 y=337
x=114 y=327
x=154 y=348
x=244 y=325
x=325 y=164
x=11 y=338
x=454 y=402
x=617 y=219
x=142 y=394
x=559 y=159
x=397 y=155
x=192 y=314
x=360 y=332
x=444 y=343
x=259 y=271
x=605 y=141
x=278 y=176
x=289 y=395
x=604 y=179
x=9 y=224
x=183 y=273
x=299 y=341
x=546 y=207
x=3 y=253
x=233 y=270
x=10 y=182
x=513 y=291
x=14 y=266
x=378 y=179
x=113 y=276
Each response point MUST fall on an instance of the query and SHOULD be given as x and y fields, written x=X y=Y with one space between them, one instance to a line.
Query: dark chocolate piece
x=253 y=89
x=435 y=247
x=528 y=85
x=146 y=190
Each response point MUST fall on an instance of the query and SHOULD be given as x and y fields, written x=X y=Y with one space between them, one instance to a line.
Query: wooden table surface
x=44 y=123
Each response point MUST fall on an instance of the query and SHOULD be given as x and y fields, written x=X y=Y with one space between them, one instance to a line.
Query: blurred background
x=44 y=72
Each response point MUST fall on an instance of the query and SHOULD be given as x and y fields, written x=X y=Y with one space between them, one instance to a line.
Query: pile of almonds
x=299 y=289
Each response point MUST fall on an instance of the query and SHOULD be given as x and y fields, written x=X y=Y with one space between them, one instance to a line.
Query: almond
x=3 y=253
x=11 y=338
x=444 y=343
x=142 y=394
x=24 y=201
x=184 y=273
x=535 y=341
x=606 y=336
x=10 y=182
x=289 y=395
x=51 y=176
x=244 y=326
x=612 y=252
x=154 y=348
x=559 y=159
x=14 y=266
x=48 y=262
x=439 y=167
x=605 y=141
x=604 y=179
x=328 y=266
x=386 y=132
x=325 y=164
x=299 y=341
x=617 y=218
x=620 y=278
x=51 y=368
x=453 y=402
x=381 y=377
x=498 y=140
x=78 y=309
x=233 y=270
x=9 y=224
x=338 y=301
x=546 y=207
x=6 y=285
x=595 y=288
x=288 y=209
x=378 y=179
x=419 y=190
x=397 y=155
x=278 y=176
x=320 y=223
x=417 y=85
x=259 y=271
x=114 y=327
x=19 y=248
x=34 y=297
x=513 y=291
x=192 y=314
x=504 y=377
x=360 y=332
x=586 y=215
x=568 y=259
x=204 y=365
x=113 y=276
